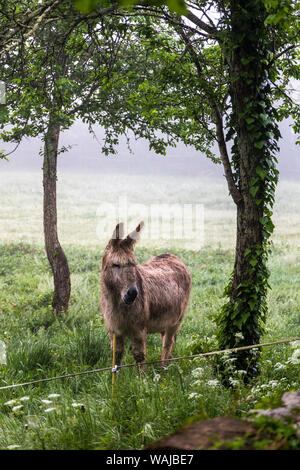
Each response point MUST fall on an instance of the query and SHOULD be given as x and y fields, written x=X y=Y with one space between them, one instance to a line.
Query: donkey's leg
x=119 y=347
x=168 y=340
x=138 y=341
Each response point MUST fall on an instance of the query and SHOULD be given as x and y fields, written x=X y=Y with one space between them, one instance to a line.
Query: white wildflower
x=156 y=378
x=13 y=446
x=239 y=335
x=226 y=355
x=78 y=405
x=264 y=386
x=10 y=402
x=234 y=382
x=197 y=372
x=213 y=383
x=279 y=366
x=193 y=395
x=197 y=383
x=32 y=421
x=16 y=408
x=295 y=357
x=148 y=431
x=229 y=359
x=47 y=402
x=26 y=398
x=54 y=395
x=48 y=410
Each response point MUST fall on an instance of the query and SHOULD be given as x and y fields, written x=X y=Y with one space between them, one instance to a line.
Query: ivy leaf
x=260 y=144
x=264 y=220
x=250 y=120
x=253 y=262
x=253 y=190
x=261 y=172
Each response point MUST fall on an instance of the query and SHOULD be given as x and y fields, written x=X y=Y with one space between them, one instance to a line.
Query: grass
x=80 y=413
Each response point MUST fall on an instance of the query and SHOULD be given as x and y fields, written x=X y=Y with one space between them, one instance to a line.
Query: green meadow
x=80 y=412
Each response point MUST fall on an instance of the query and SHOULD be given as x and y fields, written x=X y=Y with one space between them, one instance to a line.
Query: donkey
x=140 y=299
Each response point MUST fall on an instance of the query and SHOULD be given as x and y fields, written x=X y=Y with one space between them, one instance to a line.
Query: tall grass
x=80 y=413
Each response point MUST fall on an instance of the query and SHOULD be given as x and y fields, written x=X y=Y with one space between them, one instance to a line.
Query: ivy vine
x=241 y=319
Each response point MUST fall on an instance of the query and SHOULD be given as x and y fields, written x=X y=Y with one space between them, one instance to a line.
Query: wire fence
x=158 y=361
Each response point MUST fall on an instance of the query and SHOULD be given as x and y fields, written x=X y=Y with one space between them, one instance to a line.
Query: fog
x=85 y=156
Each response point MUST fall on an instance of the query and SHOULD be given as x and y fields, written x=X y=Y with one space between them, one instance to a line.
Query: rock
x=207 y=434
x=231 y=433
x=292 y=400
x=289 y=412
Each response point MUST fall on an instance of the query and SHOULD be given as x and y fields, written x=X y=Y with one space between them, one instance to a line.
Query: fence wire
x=158 y=361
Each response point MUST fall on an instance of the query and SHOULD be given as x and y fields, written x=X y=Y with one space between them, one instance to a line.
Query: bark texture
x=55 y=253
x=246 y=79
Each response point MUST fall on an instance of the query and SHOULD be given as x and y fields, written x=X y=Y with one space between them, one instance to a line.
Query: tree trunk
x=55 y=253
x=248 y=235
x=254 y=174
x=249 y=213
x=242 y=316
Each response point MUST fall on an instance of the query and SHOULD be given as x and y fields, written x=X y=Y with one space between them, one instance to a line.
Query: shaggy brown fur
x=140 y=299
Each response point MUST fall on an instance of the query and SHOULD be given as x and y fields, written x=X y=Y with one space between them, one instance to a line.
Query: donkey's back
x=167 y=286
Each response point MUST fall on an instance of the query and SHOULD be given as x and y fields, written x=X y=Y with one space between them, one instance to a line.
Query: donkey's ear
x=118 y=233
x=134 y=236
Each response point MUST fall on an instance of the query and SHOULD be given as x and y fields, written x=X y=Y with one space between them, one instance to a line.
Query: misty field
x=79 y=413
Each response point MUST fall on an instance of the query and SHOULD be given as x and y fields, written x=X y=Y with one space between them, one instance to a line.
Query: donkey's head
x=119 y=263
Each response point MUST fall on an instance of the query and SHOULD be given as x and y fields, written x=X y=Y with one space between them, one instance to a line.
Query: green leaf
x=86 y=6
x=177 y=6
x=250 y=120
x=253 y=262
x=253 y=190
x=261 y=172
x=264 y=220
x=260 y=144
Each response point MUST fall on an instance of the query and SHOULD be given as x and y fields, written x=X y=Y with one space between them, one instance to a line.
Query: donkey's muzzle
x=130 y=295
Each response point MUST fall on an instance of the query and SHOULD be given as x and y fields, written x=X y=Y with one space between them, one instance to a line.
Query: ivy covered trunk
x=255 y=133
x=55 y=253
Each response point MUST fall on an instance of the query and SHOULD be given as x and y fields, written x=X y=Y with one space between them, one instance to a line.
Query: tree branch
x=293 y=46
x=32 y=30
x=283 y=93
x=201 y=24
x=233 y=189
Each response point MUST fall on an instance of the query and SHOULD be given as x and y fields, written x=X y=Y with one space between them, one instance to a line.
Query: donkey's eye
x=116 y=266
